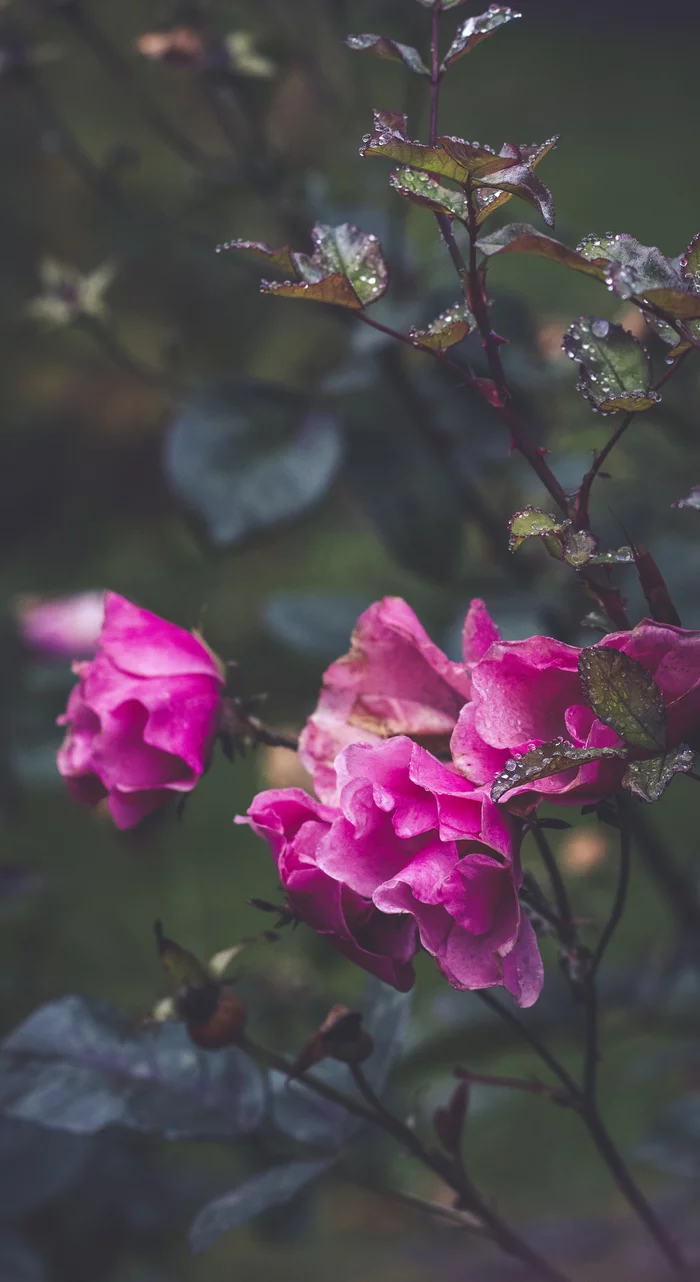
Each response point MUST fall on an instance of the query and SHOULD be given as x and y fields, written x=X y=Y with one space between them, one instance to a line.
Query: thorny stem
x=582 y=501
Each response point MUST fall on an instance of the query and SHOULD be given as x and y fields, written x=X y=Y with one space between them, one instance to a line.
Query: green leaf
x=449 y=328
x=624 y=696
x=519 y=180
x=279 y=258
x=476 y=158
x=621 y=556
x=476 y=29
x=424 y=190
x=348 y=252
x=393 y=50
x=690 y=263
x=389 y=138
x=615 y=368
x=334 y=289
x=648 y=780
x=521 y=238
x=642 y=271
x=545 y=760
x=532 y=523
x=578 y=547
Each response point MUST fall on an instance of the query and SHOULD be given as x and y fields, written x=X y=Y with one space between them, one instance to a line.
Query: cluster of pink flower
x=402 y=845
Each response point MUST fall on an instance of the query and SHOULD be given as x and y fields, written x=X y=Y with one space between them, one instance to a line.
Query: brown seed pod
x=223 y=1027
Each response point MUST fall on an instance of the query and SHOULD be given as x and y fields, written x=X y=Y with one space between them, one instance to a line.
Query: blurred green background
x=128 y=439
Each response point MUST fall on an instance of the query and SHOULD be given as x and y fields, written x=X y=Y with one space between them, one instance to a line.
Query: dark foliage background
x=266 y=469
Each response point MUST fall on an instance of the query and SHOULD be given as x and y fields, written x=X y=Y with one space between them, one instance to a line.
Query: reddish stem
x=435 y=72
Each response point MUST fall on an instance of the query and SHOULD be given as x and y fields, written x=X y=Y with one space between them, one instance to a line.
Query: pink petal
x=144 y=645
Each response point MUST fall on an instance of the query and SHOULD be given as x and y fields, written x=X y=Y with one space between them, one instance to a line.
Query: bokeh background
x=265 y=469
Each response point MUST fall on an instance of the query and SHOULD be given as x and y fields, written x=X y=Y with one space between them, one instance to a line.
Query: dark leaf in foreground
x=624 y=695
x=615 y=368
x=547 y=759
x=272 y=1188
x=648 y=780
x=74 y=1066
x=393 y=50
x=36 y=1165
x=245 y=456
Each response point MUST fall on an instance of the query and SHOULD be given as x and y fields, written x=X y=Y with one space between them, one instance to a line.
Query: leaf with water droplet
x=624 y=696
x=334 y=289
x=546 y=760
x=644 y=272
x=471 y=32
x=576 y=547
x=615 y=368
x=389 y=138
x=532 y=523
x=279 y=258
x=347 y=252
x=449 y=328
x=620 y=556
x=692 y=500
x=393 y=50
x=521 y=238
x=519 y=180
x=690 y=263
x=648 y=780
x=421 y=189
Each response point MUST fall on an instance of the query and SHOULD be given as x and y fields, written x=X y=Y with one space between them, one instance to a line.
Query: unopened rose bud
x=340 y=1036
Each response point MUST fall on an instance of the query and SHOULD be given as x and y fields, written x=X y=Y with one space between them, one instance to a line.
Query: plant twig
x=566 y=922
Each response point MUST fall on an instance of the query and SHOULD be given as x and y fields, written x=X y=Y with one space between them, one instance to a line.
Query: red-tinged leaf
x=421 y=189
x=449 y=1121
x=673 y=303
x=690 y=263
x=392 y=50
x=471 y=32
x=474 y=158
x=334 y=289
x=544 y=761
x=279 y=258
x=615 y=371
x=389 y=138
x=521 y=238
x=653 y=586
x=448 y=329
x=648 y=780
x=346 y=251
x=530 y=155
x=519 y=180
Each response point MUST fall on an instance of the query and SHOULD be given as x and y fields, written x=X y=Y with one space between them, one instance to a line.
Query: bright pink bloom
x=394 y=681
x=528 y=692
x=141 y=720
x=413 y=839
x=64 y=627
x=294 y=824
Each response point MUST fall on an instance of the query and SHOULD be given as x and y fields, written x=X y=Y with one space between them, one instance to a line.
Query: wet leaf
x=624 y=696
x=532 y=523
x=478 y=159
x=73 y=1065
x=476 y=29
x=390 y=49
x=620 y=556
x=279 y=258
x=519 y=180
x=615 y=368
x=274 y=1187
x=521 y=238
x=691 y=500
x=644 y=272
x=448 y=329
x=421 y=189
x=389 y=139
x=547 y=759
x=578 y=547
x=334 y=289
x=245 y=456
x=648 y=780
x=690 y=263
x=487 y=201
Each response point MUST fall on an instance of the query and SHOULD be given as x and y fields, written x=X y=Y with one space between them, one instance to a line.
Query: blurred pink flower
x=528 y=692
x=393 y=681
x=414 y=840
x=142 y=719
x=64 y=627
x=294 y=825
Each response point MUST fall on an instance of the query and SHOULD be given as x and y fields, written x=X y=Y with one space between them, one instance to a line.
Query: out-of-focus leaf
x=648 y=780
x=315 y=623
x=545 y=760
x=521 y=238
x=446 y=330
x=476 y=29
x=272 y=1188
x=406 y=490
x=36 y=1165
x=673 y=1142
x=615 y=368
x=16 y=881
x=393 y=50
x=19 y=1262
x=245 y=456
x=691 y=500
x=279 y=258
x=421 y=189
x=386 y=1014
x=446 y=4
x=624 y=696
x=532 y=523
x=621 y=556
x=73 y=1066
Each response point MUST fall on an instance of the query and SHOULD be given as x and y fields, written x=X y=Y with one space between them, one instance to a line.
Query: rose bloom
x=64 y=627
x=413 y=840
x=393 y=681
x=525 y=693
x=142 y=718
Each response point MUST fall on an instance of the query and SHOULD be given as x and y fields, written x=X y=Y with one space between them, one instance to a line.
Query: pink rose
x=414 y=840
x=142 y=719
x=528 y=692
x=64 y=627
x=294 y=824
x=394 y=681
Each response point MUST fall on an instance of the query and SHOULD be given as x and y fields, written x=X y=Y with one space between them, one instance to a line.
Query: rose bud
x=340 y=1036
